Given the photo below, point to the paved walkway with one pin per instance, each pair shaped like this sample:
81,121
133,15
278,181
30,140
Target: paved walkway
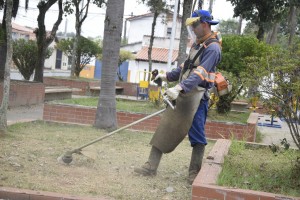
270,134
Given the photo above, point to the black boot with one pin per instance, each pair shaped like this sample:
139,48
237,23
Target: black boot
196,162
150,167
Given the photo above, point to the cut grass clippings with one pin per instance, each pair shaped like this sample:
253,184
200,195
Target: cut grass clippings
149,107
29,152
259,169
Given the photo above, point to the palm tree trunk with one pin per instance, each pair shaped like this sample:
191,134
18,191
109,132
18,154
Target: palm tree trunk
6,81
106,117
187,7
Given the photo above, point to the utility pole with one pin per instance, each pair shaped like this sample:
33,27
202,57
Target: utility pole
174,24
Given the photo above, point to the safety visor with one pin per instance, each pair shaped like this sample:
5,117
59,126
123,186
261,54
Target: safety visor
192,20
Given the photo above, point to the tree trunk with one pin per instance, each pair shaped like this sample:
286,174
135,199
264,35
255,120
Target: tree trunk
106,117
8,63
3,50
260,33
293,13
156,13
239,31
76,57
187,7
211,2
43,41
76,41
273,36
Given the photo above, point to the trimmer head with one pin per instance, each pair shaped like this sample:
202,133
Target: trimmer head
65,158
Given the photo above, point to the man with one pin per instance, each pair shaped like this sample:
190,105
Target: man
195,77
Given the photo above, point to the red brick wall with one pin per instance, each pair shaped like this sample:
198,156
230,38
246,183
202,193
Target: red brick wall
130,89
86,115
83,85
24,93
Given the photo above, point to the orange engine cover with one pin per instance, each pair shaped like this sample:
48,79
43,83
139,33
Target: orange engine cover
220,82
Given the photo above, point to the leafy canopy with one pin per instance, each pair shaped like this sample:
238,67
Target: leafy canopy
25,56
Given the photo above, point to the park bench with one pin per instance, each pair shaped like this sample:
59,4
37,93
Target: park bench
239,106
59,93
95,91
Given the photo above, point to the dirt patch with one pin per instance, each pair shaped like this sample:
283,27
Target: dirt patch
28,160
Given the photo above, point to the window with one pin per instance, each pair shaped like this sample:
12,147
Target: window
169,30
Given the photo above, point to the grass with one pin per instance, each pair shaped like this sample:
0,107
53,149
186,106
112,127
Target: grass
28,160
148,107
238,117
259,169
122,105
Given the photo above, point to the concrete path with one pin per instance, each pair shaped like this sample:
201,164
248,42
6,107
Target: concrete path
272,134
25,114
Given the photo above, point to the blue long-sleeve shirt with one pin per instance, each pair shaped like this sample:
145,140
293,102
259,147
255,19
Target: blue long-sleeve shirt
202,75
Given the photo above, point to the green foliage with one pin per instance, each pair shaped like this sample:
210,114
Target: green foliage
124,55
252,167
87,50
263,13
25,56
224,104
236,52
277,76
229,26
236,48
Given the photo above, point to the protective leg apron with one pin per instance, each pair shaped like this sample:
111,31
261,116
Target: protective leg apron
175,124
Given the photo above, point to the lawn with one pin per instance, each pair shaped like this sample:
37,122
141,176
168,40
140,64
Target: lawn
149,107
28,160
260,169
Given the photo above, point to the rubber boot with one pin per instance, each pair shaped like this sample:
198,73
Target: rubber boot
150,167
196,162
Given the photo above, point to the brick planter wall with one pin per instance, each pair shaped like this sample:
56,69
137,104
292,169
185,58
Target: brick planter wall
86,115
24,93
130,89
205,188
83,85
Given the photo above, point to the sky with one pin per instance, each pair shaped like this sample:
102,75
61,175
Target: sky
93,26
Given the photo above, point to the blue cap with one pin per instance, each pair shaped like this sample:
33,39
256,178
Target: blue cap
204,16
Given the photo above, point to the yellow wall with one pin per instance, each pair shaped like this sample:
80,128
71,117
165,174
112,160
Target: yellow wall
87,71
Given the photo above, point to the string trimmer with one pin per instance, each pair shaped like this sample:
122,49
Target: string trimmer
67,156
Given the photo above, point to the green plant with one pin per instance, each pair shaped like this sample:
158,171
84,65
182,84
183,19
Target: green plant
25,56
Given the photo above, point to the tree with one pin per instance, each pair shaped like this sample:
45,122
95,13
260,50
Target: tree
263,13
106,110
6,81
44,39
235,51
25,56
229,26
278,78
156,7
3,46
87,49
187,7
124,55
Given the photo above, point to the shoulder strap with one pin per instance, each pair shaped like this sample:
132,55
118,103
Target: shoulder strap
203,47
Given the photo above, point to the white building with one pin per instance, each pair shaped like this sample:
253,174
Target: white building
139,32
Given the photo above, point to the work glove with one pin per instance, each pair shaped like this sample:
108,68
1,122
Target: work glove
163,77
173,92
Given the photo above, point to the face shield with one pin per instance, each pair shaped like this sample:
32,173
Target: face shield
191,24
